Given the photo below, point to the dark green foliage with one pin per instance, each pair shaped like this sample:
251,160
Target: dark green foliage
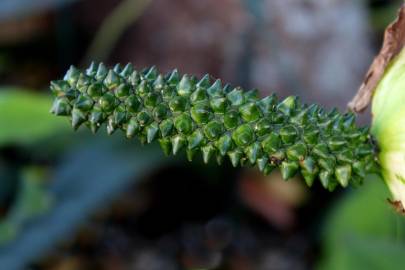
201,115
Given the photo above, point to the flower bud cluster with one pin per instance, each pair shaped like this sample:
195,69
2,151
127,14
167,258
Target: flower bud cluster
204,116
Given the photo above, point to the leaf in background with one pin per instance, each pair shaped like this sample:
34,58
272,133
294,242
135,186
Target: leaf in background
25,117
89,177
33,200
361,232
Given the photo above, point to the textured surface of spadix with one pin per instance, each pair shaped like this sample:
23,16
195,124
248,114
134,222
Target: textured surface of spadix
204,116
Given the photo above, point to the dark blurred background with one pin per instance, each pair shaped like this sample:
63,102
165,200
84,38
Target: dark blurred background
73,201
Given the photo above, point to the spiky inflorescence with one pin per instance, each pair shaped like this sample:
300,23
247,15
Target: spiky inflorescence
218,121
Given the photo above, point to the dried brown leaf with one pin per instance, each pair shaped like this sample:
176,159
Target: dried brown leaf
394,41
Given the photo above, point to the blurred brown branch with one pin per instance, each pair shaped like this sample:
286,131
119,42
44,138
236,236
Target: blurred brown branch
113,26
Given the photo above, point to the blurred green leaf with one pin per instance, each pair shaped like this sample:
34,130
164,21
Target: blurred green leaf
363,231
25,117
33,200
8,231
370,253
91,174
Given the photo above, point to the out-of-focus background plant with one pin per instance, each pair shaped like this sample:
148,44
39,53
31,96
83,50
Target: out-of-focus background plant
74,201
